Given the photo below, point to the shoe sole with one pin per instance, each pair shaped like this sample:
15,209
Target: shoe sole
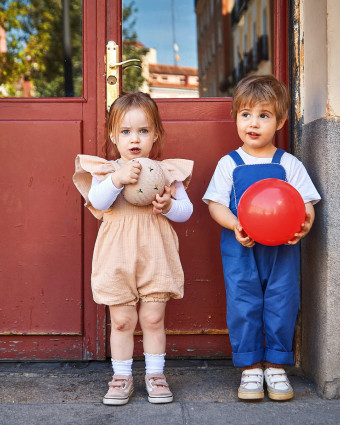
160,400
280,396
116,401
250,396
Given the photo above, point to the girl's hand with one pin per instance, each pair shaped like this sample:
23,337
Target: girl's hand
242,236
305,228
163,203
127,174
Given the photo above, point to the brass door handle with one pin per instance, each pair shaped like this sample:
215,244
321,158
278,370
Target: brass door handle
112,72
114,64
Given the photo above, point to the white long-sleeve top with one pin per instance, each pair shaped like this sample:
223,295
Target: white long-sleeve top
103,194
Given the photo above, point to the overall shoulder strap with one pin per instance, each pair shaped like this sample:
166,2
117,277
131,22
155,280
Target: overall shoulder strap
236,157
277,156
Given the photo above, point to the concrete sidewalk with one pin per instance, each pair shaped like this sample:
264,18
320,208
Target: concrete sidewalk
205,393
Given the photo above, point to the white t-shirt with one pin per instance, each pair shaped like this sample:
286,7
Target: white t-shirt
221,183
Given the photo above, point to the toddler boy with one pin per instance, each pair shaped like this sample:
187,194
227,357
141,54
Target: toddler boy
262,282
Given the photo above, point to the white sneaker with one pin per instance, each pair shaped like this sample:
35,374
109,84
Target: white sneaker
251,387
278,384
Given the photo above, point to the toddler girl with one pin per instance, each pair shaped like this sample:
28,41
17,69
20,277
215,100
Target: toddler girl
136,251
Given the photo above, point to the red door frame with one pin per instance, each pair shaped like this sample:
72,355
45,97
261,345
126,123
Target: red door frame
108,28
281,60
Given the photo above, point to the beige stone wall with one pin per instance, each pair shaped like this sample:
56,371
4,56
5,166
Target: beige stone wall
314,74
316,140
333,50
321,59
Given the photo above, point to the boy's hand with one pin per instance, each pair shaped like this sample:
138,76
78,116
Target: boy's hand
305,228
224,217
242,236
163,203
127,174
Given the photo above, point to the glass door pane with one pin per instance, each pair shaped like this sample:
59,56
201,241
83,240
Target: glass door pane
41,48
196,48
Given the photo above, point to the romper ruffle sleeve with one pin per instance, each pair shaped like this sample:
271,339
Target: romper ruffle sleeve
179,170
86,167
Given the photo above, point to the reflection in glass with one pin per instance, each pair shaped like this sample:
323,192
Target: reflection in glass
40,48
242,32
163,35
196,47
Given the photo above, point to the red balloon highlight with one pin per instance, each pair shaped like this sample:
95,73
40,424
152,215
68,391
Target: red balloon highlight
271,211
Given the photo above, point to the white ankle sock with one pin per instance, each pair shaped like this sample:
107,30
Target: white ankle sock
122,367
154,363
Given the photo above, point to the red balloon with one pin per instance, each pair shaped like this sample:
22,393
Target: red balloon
271,211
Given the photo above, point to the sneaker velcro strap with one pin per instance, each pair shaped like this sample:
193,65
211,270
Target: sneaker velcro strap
248,376
159,383
118,381
276,379
251,379
250,382
272,371
253,371
116,384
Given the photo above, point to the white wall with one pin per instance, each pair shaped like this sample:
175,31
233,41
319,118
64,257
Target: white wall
333,36
320,76
314,74
316,26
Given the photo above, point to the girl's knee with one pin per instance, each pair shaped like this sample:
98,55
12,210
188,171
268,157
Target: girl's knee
123,321
151,319
122,325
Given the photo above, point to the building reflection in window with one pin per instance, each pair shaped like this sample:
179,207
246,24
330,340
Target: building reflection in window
232,39
160,29
242,32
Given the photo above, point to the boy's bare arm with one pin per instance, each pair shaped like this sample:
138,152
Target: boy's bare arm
306,226
224,217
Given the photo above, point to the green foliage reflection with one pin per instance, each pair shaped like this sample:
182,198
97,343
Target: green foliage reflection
35,47
132,49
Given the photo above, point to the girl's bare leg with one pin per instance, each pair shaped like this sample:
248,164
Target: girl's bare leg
151,319
123,324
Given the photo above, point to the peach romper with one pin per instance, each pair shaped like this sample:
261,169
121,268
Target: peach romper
136,252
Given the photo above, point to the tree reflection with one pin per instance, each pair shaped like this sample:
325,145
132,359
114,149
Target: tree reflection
33,61
133,79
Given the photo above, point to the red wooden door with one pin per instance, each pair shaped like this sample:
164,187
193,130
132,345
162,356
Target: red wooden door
46,311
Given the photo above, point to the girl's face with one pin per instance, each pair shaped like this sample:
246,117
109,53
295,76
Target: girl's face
136,135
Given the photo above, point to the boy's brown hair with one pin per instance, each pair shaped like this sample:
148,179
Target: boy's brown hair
130,101
261,89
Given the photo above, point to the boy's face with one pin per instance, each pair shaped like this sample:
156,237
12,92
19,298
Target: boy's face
256,127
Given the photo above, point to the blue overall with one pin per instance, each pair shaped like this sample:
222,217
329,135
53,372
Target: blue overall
262,283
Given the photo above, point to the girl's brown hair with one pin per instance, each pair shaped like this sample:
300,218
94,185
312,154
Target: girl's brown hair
121,106
261,89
